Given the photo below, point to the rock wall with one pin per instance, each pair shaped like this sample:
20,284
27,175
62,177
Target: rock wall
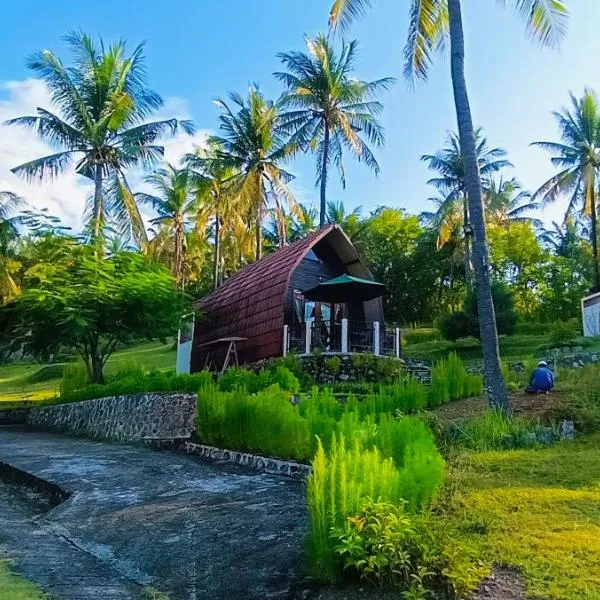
121,418
265,464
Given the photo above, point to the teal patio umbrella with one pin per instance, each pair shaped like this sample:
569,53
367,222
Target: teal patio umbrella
345,288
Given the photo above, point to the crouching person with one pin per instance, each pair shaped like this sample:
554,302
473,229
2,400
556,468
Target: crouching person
542,379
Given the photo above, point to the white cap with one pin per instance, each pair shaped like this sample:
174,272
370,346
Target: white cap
542,363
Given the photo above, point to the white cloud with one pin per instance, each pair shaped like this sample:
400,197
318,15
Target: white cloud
66,196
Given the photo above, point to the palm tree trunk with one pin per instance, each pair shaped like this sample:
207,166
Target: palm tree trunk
468,274
495,384
178,264
217,250
259,215
97,208
324,176
594,236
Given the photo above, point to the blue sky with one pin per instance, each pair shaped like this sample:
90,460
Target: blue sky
198,49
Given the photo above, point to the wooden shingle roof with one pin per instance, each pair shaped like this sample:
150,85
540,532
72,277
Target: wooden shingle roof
250,303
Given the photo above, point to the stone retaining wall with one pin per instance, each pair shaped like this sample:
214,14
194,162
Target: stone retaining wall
273,466
121,418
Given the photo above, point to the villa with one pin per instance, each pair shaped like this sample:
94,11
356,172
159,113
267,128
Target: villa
314,294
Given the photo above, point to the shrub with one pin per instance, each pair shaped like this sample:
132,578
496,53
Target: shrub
456,325
74,379
495,431
47,373
285,379
239,377
346,475
450,381
390,548
419,336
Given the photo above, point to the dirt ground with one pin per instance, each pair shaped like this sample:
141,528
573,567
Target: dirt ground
539,407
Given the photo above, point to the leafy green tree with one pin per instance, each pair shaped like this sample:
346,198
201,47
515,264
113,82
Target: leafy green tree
253,142
451,183
217,193
578,158
177,206
431,23
103,105
329,109
73,299
565,239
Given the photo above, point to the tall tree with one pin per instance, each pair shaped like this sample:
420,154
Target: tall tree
507,202
253,142
451,182
98,117
431,22
350,222
176,204
578,158
217,192
329,109
565,239
9,263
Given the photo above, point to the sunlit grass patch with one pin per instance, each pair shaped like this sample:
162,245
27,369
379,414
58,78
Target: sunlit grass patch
537,510
13,587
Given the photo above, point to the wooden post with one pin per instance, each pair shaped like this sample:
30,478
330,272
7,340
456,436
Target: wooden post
397,341
376,338
344,336
285,340
307,336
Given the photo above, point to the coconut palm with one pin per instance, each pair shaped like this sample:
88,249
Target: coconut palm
578,158
350,222
329,109
449,164
102,104
177,206
9,263
564,239
431,23
253,142
506,202
217,191
304,222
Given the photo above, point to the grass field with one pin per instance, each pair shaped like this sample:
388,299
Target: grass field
538,511
13,587
15,384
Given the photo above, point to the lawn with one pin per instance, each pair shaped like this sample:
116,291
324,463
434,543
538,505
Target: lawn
15,384
15,588
536,510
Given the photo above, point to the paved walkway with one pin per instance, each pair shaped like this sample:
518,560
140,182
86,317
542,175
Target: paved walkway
139,517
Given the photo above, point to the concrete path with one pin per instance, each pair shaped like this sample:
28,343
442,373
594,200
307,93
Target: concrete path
191,529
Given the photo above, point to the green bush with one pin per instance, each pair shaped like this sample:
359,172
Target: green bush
419,336
47,373
450,381
350,472
130,380
456,326
495,431
417,555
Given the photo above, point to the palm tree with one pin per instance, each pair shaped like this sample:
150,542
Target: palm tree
253,142
564,239
450,166
329,109
216,189
103,104
304,222
578,158
9,263
176,205
431,22
506,202
350,222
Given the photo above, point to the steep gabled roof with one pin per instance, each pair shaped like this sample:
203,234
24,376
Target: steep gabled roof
250,303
